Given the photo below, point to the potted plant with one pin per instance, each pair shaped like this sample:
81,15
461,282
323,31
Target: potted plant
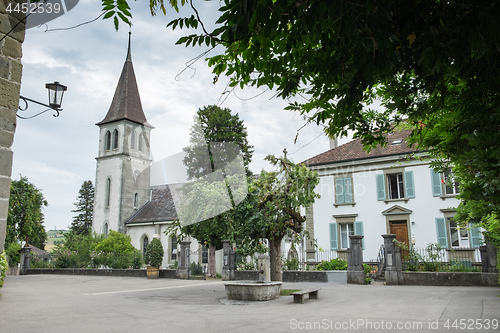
153,258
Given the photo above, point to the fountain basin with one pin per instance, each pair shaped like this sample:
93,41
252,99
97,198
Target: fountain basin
253,290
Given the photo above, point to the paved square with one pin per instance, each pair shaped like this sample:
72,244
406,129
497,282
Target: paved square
63,303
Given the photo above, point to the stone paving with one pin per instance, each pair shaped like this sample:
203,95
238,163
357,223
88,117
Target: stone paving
62,303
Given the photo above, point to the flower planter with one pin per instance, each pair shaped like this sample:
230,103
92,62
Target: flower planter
153,272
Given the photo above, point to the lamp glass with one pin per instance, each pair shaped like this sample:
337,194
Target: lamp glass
56,92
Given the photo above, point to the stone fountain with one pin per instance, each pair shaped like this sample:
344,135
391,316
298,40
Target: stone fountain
260,290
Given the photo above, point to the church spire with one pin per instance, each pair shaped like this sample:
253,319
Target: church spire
126,102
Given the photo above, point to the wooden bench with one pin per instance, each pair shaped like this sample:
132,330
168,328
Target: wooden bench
298,296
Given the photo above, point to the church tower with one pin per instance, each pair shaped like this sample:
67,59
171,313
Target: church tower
122,183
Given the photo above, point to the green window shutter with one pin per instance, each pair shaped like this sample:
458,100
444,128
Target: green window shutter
409,184
437,189
348,198
339,190
380,187
358,231
475,236
333,237
441,231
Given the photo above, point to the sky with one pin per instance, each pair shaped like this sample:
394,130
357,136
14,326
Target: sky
58,154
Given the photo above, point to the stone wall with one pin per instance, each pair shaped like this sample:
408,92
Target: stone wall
10,86
450,279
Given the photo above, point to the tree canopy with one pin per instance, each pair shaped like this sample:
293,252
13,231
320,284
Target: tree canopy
25,218
432,64
82,222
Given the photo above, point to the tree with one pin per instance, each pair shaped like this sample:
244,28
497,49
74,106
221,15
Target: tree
434,64
25,218
279,195
82,222
217,157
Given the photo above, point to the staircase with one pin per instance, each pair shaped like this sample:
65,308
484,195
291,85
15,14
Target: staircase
380,275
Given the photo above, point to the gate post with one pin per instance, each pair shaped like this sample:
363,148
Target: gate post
183,263
355,270
393,270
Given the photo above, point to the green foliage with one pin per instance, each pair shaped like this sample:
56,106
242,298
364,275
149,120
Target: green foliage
37,262
367,268
76,250
12,252
154,253
25,218
3,268
115,243
291,264
332,265
246,266
196,268
82,223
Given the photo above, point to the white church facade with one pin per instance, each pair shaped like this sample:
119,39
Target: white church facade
124,199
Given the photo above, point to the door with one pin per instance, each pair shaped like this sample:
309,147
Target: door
400,229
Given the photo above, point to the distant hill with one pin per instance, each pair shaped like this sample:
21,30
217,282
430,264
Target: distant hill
52,237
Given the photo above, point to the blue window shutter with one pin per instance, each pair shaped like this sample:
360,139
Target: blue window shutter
380,187
437,189
441,231
339,190
348,198
358,231
409,184
475,236
333,237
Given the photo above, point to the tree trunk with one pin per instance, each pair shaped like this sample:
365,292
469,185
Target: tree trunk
211,261
275,259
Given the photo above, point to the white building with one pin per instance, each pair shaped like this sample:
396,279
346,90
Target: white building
391,189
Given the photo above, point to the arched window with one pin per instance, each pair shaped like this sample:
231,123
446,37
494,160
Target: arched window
140,142
108,192
115,139
136,200
173,253
132,140
107,141
145,242
105,229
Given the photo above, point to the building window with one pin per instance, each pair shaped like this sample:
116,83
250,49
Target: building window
108,192
450,234
443,183
136,200
173,253
141,148
145,242
107,141
132,140
115,139
344,230
395,186
343,190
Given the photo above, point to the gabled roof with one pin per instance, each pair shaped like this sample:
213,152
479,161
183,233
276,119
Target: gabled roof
351,151
126,102
161,207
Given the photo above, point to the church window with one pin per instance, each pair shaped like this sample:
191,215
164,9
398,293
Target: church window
145,242
107,141
115,139
108,192
141,148
136,200
173,254
132,140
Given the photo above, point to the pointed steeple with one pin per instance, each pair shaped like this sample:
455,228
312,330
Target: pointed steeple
126,102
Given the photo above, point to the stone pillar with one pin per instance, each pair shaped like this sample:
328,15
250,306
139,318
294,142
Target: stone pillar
310,243
10,86
226,249
25,259
264,268
183,260
488,258
392,275
355,271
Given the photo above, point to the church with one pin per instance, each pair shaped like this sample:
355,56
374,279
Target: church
124,199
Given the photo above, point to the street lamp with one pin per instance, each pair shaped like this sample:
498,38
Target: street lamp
56,92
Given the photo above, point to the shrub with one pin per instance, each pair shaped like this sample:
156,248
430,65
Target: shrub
3,268
291,265
332,265
196,268
154,253
37,262
12,252
65,259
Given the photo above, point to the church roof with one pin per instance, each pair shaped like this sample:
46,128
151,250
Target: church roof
160,208
126,102
396,145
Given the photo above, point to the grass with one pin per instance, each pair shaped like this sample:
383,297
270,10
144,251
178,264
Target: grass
287,292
